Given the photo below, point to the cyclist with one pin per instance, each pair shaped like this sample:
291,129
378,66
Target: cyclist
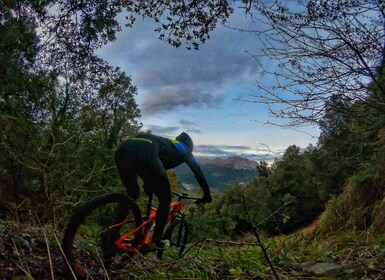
149,156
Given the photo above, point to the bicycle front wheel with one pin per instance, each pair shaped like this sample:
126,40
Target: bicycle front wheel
88,242
177,234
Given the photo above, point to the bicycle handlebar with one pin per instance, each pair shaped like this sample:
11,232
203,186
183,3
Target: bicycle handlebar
184,196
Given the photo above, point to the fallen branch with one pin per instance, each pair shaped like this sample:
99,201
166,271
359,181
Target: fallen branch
231,242
264,250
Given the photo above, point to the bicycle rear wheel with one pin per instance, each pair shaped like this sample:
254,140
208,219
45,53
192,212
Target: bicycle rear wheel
177,234
88,242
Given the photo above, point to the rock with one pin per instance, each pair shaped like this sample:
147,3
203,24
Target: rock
25,244
331,270
25,235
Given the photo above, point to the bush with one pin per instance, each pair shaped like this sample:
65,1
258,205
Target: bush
361,205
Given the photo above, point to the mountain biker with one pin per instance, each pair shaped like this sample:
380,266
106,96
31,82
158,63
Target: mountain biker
149,156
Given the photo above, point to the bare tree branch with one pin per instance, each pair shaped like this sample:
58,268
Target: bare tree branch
265,253
314,50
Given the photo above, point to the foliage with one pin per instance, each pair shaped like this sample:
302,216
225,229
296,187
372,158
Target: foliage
38,255
344,172
282,200
63,109
360,206
58,127
292,183
293,191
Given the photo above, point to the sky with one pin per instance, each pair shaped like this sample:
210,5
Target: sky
200,91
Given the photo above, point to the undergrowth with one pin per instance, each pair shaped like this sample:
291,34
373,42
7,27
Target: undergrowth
361,256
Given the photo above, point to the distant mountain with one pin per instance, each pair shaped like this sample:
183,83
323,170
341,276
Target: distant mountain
220,173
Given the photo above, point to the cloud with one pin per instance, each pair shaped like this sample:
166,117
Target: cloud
189,126
186,126
187,123
220,150
170,98
163,130
170,78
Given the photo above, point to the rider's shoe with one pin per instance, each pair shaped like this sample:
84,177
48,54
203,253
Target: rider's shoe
163,245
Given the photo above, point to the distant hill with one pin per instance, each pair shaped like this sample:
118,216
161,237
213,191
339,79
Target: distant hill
220,173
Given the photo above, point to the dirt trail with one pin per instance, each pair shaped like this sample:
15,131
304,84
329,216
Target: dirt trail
24,251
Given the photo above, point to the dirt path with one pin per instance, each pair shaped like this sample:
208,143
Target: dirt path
29,251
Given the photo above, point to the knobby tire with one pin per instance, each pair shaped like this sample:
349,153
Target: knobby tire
88,242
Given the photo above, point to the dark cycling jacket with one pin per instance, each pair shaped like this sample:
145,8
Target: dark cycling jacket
173,153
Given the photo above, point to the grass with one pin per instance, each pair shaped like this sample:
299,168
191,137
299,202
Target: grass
204,261
362,255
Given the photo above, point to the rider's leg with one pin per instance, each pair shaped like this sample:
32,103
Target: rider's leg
164,196
156,178
127,173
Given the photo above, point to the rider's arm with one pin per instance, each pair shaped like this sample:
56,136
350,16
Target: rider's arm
196,169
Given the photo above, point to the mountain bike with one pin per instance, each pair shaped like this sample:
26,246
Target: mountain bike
106,232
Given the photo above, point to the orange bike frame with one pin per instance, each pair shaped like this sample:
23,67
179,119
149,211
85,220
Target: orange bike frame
144,227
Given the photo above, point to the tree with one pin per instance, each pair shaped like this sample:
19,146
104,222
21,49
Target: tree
80,27
292,184
21,89
63,109
322,49
263,169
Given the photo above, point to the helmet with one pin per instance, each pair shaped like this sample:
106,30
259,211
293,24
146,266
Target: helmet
186,140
